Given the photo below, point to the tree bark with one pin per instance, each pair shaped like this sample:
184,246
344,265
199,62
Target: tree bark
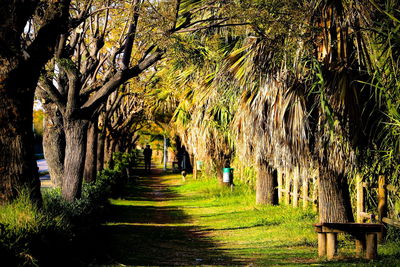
18,169
54,143
75,136
91,153
220,175
266,185
100,151
19,73
335,141
108,151
334,197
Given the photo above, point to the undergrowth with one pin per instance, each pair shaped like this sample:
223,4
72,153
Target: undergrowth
60,233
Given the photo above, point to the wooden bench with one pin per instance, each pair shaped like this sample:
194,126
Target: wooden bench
364,233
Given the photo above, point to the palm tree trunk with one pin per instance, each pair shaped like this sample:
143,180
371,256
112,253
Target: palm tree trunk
334,154
266,186
334,197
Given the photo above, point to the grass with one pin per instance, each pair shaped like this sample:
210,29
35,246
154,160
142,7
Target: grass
263,235
59,233
213,225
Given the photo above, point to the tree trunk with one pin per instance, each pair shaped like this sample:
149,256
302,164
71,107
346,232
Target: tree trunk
54,143
109,150
334,197
333,146
266,186
220,174
18,169
91,153
100,151
75,136
107,155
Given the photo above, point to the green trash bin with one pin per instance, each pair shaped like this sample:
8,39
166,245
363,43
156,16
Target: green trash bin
228,176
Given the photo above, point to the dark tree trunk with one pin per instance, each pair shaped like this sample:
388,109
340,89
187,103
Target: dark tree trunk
112,146
19,73
54,143
18,169
266,186
91,153
107,155
100,151
75,149
334,197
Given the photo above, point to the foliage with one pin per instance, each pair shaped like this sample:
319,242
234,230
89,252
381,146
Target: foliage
33,236
38,116
22,227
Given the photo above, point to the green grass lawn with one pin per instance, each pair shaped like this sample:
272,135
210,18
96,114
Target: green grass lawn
213,225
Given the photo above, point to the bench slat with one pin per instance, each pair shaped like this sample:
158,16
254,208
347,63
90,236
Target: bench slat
348,228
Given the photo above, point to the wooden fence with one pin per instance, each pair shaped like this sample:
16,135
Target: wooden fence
381,214
295,187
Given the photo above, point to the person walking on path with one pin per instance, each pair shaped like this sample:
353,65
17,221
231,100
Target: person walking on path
147,152
185,164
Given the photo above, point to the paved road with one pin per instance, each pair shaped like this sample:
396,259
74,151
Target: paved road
43,168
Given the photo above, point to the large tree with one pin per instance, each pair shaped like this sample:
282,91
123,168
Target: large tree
28,34
92,64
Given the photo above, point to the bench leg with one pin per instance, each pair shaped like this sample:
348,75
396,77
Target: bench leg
331,249
321,244
360,245
371,246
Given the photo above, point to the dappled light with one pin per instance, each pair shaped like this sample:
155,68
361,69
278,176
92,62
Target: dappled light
199,132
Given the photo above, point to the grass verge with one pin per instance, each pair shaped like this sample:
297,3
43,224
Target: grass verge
263,235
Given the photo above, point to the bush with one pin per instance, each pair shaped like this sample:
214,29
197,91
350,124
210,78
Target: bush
31,236
23,227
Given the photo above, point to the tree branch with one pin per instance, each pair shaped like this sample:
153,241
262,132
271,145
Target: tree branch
121,77
126,57
48,87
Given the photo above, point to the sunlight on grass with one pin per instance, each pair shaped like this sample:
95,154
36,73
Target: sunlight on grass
244,229
125,202
245,232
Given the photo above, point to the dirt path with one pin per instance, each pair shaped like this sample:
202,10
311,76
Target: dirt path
147,229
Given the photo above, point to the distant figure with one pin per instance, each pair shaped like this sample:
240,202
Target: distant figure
147,158
184,164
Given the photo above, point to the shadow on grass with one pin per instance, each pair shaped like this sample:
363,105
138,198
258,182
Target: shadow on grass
144,231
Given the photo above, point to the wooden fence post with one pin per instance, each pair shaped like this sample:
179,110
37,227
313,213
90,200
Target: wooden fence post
194,167
315,190
280,185
288,176
360,198
305,190
382,202
296,178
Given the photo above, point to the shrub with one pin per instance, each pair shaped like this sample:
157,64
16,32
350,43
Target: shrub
23,226
31,236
